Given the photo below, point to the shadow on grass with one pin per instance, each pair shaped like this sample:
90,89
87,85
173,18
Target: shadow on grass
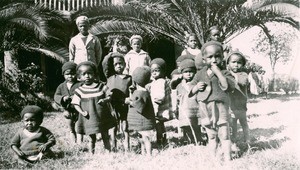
258,142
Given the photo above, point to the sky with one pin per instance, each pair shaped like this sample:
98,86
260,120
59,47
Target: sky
245,42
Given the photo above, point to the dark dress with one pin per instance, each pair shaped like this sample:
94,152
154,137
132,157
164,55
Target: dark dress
141,115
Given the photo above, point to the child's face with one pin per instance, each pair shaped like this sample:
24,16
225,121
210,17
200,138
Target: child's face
188,74
136,45
83,27
156,71
192,42
215,35
31,122
70,75
119,65
213,55
86,74
235,63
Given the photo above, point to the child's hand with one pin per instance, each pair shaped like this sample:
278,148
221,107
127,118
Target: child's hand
102,101
215,69
127,100
85,113
158,101
43,148
201,86
20,153
66,98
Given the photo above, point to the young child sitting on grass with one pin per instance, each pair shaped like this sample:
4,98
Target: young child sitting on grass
33,142
211,86
141,117
90,100
64,94
238,98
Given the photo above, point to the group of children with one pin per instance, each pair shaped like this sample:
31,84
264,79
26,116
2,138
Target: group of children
137,100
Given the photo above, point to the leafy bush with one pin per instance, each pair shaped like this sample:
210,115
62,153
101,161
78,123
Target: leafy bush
26,88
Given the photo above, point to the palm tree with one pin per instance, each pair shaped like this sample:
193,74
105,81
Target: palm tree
172,19
29,27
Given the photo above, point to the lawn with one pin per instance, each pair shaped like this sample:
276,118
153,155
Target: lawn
274,131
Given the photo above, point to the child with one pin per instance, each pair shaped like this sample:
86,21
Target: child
160,93
119,84
238,98
64,93
33,142
136,57
212,85
119,47
84,46
141,117
189,116
90,100
192,48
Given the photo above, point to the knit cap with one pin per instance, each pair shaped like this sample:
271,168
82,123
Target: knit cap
141,75
87,63
68,65
199,62
183,57
37,111
160,62
82,18
187,63
209,43
237,53
136,37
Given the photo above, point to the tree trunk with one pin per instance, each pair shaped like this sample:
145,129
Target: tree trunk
11,70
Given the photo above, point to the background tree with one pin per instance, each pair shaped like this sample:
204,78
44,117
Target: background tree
173,18
276,46
32,28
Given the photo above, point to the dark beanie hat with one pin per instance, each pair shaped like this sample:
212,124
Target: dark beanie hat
187,63
183,57
68,65
199,62
37,111
141,75
87,63
209,43
159,61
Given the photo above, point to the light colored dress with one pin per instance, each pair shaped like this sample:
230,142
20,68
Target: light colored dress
134,60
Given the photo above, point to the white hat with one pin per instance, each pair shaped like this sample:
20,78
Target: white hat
82,18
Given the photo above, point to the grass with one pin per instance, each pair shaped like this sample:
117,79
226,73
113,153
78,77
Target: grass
274,130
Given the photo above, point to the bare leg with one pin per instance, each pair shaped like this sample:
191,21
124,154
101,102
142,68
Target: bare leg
212,139
224,136
147,144
79,138
105,138
92,143
245,128
126,135
113,140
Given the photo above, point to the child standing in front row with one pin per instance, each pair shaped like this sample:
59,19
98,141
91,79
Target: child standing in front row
90,100
136,57
33,142
238,98
141,117
118,85
188,112
64,94
211,86
160,93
